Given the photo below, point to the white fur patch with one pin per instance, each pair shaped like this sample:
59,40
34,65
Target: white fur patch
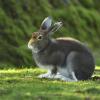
74,77
63,78
35,50
30,46
63,71
46,75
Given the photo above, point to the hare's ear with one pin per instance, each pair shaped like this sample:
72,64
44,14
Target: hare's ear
46,24
55,27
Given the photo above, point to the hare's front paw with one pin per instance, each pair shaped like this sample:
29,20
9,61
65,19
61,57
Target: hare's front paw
46,75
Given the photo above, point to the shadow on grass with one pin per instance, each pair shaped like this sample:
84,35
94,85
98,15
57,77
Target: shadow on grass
89,91
5,91
95,78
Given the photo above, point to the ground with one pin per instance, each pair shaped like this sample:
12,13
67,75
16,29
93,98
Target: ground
23,84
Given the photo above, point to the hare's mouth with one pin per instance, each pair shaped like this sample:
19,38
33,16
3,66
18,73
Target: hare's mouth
30,46
33,48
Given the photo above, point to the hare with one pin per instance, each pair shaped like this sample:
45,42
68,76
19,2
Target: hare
65,59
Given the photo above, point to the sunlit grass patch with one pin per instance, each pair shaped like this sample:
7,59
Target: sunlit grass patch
98,68
23,84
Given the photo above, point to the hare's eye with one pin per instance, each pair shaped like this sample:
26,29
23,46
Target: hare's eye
39,37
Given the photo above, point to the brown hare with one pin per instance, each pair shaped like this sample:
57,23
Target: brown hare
65,58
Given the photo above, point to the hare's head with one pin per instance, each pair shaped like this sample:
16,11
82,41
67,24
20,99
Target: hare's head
42,36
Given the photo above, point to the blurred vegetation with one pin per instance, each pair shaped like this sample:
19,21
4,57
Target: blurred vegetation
19,18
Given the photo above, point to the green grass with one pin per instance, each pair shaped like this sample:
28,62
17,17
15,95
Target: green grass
23,84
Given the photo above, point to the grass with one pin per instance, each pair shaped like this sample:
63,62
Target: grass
23,84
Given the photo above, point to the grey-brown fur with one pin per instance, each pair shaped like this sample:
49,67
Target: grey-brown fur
63,53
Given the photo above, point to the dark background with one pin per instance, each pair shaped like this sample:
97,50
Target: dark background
19,18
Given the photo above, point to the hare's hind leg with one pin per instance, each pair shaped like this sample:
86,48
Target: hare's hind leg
64,78
66,75
67,72
81,63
